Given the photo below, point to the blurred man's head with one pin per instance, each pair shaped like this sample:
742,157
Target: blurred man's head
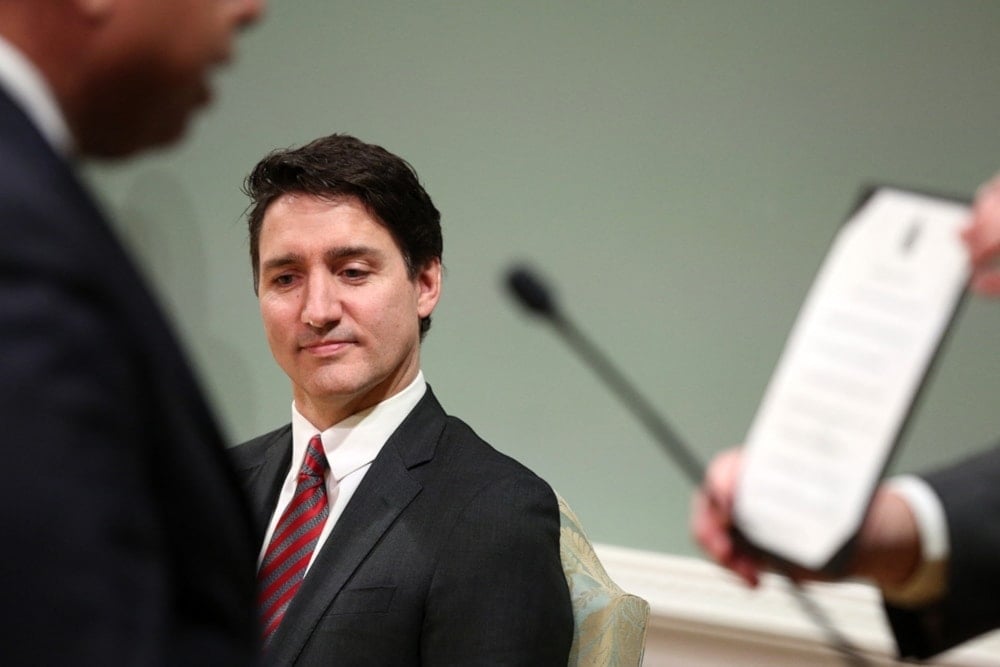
127,74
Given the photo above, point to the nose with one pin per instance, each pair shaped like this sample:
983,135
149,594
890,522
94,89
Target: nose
248,12
321,307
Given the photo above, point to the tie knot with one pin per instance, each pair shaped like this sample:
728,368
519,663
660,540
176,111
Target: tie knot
315,463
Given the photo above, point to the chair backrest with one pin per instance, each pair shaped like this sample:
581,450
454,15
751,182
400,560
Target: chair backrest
609,625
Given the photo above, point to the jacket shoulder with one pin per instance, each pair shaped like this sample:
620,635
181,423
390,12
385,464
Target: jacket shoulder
253,452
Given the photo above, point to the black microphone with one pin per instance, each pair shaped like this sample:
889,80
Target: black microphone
532,293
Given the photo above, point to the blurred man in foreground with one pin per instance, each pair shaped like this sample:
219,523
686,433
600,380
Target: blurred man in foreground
126,539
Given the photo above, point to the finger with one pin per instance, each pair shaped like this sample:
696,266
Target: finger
721,478
710,528
985,220
987,283
992,184
748,570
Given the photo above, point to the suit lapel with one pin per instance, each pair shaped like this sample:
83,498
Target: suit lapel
264,478
384,493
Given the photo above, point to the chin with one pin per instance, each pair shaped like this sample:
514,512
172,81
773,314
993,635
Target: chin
118,145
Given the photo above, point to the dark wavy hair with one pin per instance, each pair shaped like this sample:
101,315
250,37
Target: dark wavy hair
344,166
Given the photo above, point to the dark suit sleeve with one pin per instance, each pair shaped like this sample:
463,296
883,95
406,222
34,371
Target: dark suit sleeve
500,596
104,560
80,535
970,495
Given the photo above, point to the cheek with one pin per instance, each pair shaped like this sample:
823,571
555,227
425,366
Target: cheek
201,30
400,319
278,320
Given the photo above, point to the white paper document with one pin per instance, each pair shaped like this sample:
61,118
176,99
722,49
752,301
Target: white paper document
850,371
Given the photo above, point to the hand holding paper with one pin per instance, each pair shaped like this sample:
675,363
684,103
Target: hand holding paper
982,237
887,546
851,369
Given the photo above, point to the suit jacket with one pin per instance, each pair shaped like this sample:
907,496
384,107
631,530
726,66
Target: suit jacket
970,495
126,537
447,554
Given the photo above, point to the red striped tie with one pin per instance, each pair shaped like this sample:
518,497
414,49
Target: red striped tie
293,541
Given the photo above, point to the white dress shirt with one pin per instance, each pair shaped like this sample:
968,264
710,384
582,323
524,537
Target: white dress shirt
350,446
928,581
26,85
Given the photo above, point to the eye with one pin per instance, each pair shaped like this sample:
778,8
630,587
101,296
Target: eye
283,279
355,273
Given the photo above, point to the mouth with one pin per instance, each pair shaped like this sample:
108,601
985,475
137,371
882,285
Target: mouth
326,348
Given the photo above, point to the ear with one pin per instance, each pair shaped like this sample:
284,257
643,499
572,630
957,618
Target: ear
428,283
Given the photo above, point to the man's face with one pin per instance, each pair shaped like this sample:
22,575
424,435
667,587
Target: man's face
150,70
341,314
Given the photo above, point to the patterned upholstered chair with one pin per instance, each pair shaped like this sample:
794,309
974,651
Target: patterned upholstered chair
609,625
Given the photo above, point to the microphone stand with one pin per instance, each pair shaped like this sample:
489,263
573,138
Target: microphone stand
531,293
631,398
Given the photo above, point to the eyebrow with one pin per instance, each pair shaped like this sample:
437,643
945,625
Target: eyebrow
332,255
352,251
280,262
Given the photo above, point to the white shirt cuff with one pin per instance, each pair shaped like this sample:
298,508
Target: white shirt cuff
928,581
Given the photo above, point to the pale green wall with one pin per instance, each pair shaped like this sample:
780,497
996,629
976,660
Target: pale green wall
677,168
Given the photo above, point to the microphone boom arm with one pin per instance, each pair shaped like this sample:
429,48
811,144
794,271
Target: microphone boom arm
632,399
538,300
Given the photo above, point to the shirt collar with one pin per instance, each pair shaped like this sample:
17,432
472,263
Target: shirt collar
29,89
355,442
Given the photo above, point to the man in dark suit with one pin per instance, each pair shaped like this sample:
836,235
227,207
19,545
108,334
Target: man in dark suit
126,539
394,534
931,542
